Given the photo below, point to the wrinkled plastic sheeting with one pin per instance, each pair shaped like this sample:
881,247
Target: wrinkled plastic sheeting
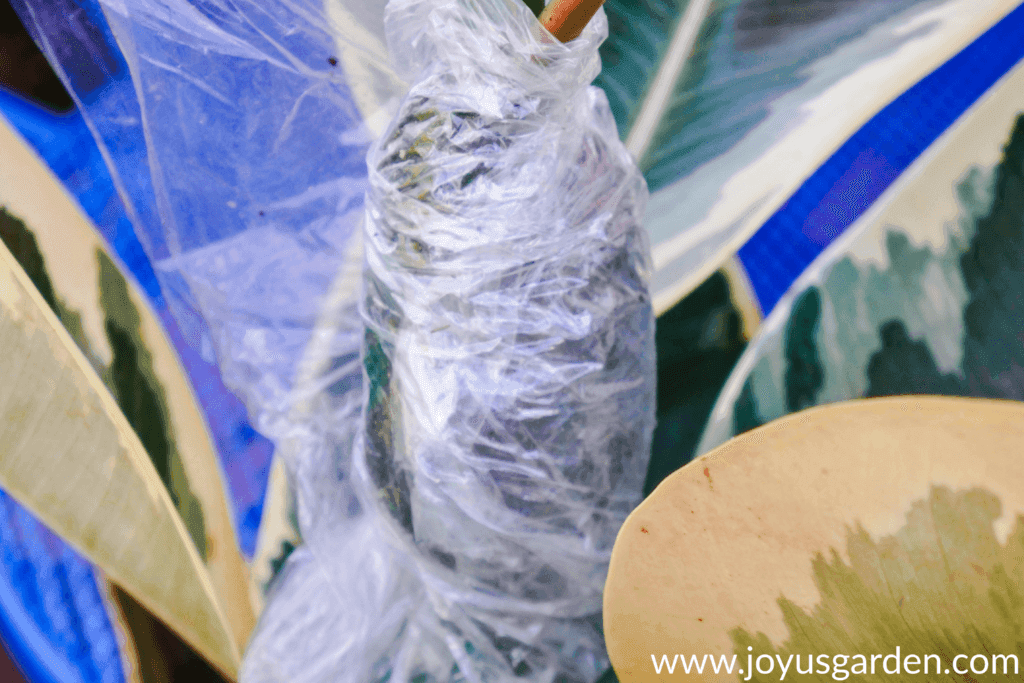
236,134
509,359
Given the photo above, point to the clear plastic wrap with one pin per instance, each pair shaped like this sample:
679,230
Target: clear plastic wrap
237,136
509,350
509,376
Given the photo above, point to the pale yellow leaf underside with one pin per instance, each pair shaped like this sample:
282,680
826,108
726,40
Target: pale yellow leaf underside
718,542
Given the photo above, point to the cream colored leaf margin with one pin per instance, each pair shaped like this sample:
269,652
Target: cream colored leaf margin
69,455
63,438
753,193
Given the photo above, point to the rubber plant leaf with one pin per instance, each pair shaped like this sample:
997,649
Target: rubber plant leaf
729,105
70,454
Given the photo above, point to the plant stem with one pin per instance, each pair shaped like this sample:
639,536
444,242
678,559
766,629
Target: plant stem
566,19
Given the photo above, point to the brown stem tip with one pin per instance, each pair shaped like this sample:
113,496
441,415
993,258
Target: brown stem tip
566,19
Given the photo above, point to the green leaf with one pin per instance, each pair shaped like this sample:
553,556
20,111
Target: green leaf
738,58
728,105
83,322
